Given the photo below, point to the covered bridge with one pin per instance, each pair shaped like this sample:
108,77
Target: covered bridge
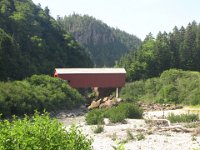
92,77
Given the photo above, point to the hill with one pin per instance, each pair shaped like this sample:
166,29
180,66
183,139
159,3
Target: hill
32,42
173,86
105,44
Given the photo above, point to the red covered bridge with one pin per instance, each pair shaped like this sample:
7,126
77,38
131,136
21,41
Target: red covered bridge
92,77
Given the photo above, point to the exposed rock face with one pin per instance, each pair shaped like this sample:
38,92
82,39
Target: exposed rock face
105,44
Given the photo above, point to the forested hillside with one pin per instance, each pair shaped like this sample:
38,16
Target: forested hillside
178,49
31,42
105,44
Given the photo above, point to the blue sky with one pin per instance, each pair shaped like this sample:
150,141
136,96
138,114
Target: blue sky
138,17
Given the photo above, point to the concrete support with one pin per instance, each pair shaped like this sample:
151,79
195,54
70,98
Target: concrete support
117,92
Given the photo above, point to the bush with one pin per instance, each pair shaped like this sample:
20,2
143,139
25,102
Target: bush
173,86
99,129
183,118
123,111
40,132
130,110
115,114
133,91
95,116
140,136
37,92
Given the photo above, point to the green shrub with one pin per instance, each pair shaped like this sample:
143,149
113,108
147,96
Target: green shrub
183,118
133,91
37,92
40,132
173,86
99,129
95,116
140,136
119,146
115,114
123,111
168,94
130,110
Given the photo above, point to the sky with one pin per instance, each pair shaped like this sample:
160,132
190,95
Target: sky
137,17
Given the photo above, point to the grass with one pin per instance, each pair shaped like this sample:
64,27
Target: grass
113,136
140,136
195,106
129,135
120,146
183,118
99,129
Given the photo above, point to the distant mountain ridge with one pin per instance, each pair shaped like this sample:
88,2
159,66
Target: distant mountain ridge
105,44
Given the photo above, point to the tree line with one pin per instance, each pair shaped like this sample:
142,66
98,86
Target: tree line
177,49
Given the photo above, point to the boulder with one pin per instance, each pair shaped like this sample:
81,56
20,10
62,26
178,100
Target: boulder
107,104
106,121
105,99
94,104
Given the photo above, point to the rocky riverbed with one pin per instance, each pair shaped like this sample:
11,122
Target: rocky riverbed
139,134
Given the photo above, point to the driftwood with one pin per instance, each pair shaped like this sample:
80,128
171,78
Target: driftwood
162,125
158,122
175,129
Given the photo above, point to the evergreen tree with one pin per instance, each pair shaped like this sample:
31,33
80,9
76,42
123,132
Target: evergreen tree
179,49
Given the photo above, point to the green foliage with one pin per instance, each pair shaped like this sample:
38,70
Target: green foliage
173,86
115,114
95,116
105,44
32,42
9,56
168,94
123,111
183,118
120,146
37,92
40,132
99,129
178,49
140,136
